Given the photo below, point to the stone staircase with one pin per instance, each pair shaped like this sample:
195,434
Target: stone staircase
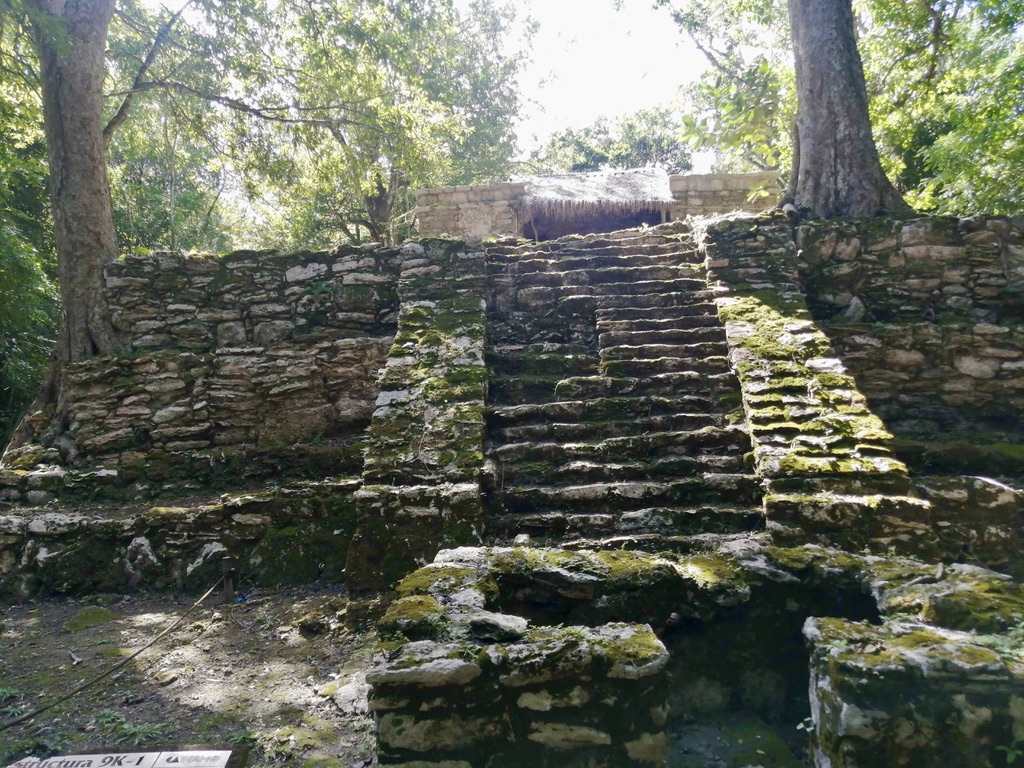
612,408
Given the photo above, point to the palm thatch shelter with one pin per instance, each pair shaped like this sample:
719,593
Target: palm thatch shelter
601,201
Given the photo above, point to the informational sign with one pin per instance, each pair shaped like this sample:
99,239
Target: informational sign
184,757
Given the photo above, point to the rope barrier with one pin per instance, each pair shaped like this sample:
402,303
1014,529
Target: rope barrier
89,683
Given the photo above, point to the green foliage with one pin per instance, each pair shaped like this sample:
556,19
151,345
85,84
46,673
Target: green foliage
647,138
945,81
28,303
743,108
431,100
169,190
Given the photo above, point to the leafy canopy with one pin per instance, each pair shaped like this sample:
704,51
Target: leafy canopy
646,138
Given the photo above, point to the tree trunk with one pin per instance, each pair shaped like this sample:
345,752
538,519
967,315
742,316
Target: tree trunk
71,39
836,168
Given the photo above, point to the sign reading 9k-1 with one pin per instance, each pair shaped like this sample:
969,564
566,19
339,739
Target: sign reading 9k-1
170,758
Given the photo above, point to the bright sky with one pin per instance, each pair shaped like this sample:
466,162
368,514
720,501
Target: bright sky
590,59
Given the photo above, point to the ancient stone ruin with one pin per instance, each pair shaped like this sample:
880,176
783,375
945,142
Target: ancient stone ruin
619,483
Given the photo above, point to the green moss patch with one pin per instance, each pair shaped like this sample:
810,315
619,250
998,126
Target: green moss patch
89,617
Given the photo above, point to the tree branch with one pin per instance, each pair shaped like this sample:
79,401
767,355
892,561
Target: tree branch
277,114
126,103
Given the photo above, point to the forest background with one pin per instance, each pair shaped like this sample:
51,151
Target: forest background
302,123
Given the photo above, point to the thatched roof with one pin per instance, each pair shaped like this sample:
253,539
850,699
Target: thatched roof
602,192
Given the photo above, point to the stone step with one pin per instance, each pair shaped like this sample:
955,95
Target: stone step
652,300
530,360
513,390
701,350
643,287
589,430
567,249
620,497
633,274
655,292
645,368
701,307
506,475
667,384
667,305
684,322
599,409
668,334
679,520
537,262
626,448
554,273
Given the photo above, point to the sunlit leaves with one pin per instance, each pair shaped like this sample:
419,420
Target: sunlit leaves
944,82
646,138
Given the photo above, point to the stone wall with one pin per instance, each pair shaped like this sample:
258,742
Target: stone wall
932,269
251,350
292,535
714,193
933,379
168,301
927,314
475,212
424,453
470,212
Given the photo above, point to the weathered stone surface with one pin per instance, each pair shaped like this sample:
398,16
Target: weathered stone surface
561,736
909,694
425,664
406,732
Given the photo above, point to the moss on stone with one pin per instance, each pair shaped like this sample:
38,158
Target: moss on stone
416,617
443,579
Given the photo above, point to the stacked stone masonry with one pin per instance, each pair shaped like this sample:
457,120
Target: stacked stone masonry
667,451
423,458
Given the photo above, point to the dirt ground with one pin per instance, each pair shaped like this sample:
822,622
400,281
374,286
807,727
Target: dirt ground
280,671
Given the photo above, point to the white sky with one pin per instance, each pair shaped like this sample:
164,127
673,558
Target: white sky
590,59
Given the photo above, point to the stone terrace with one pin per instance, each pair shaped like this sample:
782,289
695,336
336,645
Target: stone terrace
622,481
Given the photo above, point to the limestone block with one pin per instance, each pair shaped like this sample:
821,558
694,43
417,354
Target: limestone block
910,694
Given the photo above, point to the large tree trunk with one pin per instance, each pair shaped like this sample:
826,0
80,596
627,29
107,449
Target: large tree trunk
71,39
836,168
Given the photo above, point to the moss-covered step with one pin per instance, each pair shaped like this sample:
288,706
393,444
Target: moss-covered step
657,384
694,521
290,535
597,409
542,359
666,335
655,445
852,521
